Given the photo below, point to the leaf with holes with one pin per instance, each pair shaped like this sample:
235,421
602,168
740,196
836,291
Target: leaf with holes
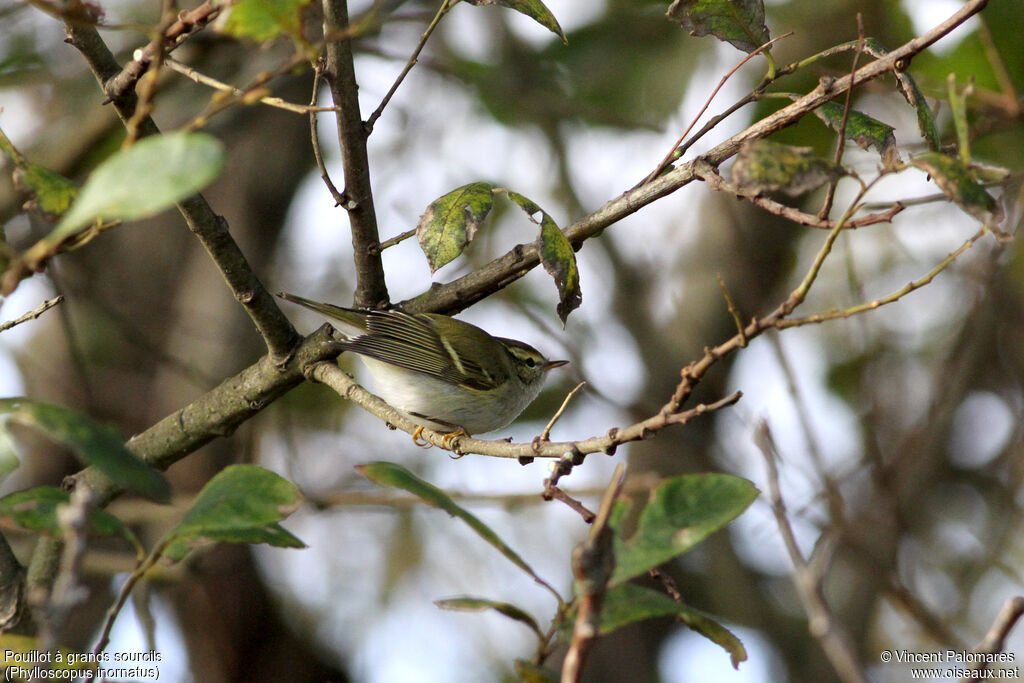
451,221
867,132
556,255
738,22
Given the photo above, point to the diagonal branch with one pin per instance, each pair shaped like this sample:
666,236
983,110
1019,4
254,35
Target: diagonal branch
464,291
211,229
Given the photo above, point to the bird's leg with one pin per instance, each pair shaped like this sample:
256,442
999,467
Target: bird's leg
446,442
416,439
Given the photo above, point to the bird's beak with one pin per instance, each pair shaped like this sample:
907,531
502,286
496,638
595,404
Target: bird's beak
552,364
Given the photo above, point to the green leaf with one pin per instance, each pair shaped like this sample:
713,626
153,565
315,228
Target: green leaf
867,132
763,166
53,192
908,88
925,118
241,504
143,180
535,9
451,221
680,513
556,255
738,22
263,20
559,259
35,509
271,534
396,476
956,181
95,444
471,604
629,603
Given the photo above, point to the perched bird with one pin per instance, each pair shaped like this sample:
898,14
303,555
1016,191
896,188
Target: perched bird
442,373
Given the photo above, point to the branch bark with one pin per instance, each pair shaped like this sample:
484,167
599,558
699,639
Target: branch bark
339,72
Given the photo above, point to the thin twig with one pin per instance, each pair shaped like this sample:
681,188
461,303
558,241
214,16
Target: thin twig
147,83
837,159
446,5
254,91
808,580
999,70
890,298
211,229
33,314
707,103
397,238
733,311
558,413
592,567
670,414
464,291
314,135
201,78
552,492
339,72
120,85
122,596
67,592
716,182
995,640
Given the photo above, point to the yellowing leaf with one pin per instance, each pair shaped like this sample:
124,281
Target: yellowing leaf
763,166
263,20
451,221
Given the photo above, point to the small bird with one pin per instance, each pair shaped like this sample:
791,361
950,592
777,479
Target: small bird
442,373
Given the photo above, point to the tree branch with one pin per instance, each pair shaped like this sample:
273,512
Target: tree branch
459,294
808,577
211,229
592,565
336,378
339,72
217,413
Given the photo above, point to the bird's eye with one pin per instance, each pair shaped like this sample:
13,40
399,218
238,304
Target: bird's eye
531,362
